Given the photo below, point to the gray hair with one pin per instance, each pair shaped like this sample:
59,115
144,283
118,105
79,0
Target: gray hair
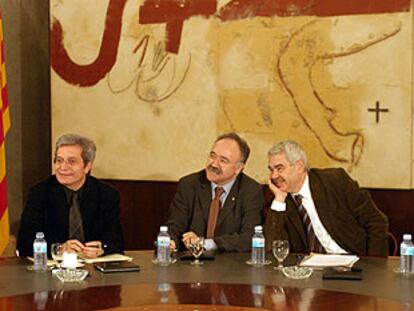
292,150
87,145
243,146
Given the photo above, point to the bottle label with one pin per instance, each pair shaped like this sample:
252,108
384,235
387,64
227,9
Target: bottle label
258,242
163,241
407,250
39,248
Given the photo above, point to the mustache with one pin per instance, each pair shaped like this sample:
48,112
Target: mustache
277,180
214,170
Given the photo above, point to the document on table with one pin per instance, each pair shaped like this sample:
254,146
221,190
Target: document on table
329,260
108,258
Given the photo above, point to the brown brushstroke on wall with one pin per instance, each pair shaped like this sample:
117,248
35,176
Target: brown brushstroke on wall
239,9
88,75
174,13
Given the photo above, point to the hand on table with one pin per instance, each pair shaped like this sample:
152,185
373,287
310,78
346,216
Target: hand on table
91,249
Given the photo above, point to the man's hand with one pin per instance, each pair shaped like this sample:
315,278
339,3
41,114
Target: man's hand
188,236
93,249
280,195
73,246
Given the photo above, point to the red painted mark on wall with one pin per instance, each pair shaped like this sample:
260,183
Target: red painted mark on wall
240,9
88,75
174,13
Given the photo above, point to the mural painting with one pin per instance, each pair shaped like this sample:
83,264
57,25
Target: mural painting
154,82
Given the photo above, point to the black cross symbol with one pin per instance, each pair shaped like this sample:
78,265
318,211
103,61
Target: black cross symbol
377,111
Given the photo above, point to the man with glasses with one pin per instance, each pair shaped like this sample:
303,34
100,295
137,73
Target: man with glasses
320,210
220,203
72,207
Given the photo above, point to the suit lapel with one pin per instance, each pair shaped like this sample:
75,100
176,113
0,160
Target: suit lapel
205,197
229,204
59,210
88,205
294,218
320,200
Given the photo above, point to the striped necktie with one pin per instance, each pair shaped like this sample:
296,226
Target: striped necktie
313,242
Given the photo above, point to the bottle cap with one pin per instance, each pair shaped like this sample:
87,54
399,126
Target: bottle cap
163,228
407,236
258,228
40,235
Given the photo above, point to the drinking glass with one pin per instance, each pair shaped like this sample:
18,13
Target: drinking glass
57,250
196,247
280,250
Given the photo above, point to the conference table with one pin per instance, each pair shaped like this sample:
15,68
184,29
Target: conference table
225,283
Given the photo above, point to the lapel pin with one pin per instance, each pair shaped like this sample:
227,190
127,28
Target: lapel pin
233,198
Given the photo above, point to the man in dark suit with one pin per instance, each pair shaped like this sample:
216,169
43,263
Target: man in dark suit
320,210
239,202
72,207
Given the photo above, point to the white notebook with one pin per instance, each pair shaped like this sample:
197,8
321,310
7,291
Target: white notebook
329,260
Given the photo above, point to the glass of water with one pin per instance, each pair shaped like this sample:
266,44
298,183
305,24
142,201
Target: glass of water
57,250
280,250
196,247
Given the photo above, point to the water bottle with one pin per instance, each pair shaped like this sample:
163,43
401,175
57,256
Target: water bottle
163,247
258,291
40,253
407,255
258,247
164,290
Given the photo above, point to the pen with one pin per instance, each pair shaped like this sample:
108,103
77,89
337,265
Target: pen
103,246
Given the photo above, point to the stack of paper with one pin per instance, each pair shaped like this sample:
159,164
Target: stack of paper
329,260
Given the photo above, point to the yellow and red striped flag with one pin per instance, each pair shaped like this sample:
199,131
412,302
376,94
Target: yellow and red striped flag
4,127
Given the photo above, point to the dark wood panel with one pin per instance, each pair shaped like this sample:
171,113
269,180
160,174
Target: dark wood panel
398,205
144,207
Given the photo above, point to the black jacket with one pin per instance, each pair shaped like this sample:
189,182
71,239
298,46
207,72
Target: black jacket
47,211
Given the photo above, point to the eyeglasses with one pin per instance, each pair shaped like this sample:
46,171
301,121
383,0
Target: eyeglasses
70,162
278,168
222,160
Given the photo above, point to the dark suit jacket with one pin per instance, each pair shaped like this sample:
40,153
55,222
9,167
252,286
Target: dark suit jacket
346,211
47,210
242,210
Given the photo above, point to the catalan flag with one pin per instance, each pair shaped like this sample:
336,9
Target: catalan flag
4,127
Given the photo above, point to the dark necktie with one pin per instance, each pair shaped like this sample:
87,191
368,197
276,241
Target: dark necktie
214,211
313,242
75,219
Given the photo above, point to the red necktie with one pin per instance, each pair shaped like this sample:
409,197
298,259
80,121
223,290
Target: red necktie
313,242
213,213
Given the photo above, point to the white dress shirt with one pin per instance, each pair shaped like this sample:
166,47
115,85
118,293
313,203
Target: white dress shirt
325,239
